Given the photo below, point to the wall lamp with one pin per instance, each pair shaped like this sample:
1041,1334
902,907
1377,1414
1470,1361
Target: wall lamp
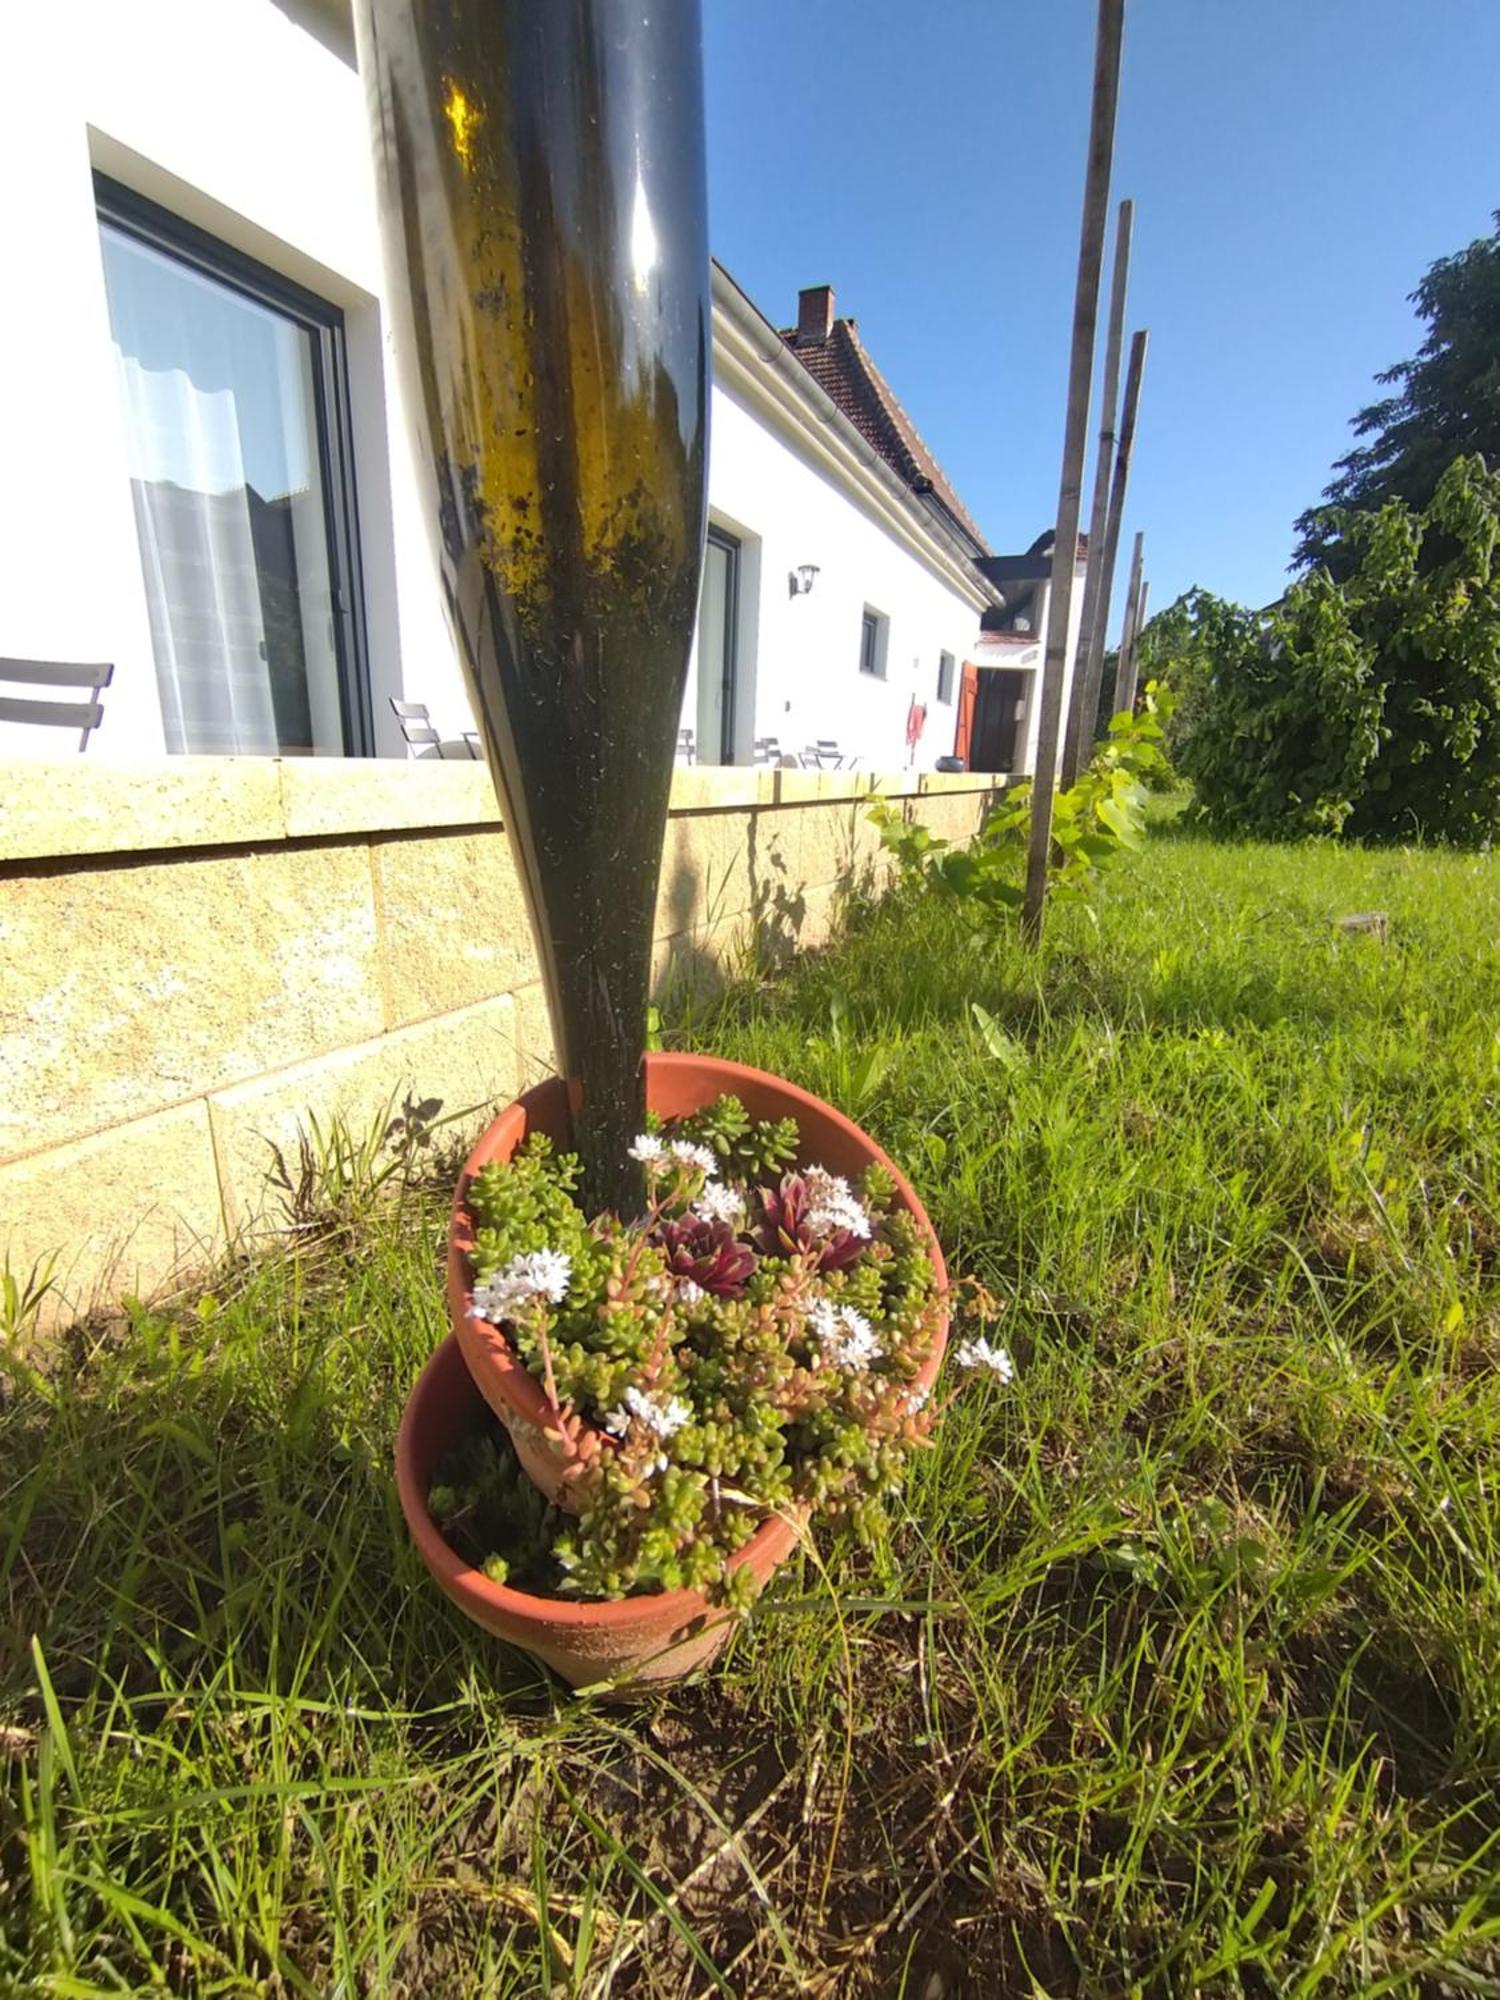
800,581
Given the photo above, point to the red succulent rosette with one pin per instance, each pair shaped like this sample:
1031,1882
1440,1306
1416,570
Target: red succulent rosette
785,1229
709,1253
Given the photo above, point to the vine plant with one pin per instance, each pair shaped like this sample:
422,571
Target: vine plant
1094,822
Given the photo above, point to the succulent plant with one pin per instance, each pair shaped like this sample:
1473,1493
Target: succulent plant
708,1253
790,1225
740,1349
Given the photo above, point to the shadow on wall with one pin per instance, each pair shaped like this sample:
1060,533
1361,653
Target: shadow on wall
709,942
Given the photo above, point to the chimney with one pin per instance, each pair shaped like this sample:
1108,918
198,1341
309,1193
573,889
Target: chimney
814,312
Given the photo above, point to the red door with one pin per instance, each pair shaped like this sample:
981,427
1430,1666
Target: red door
968,695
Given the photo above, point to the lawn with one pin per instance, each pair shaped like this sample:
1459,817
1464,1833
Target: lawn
1180,1671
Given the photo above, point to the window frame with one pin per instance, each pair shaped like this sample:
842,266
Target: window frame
947,669
136,215
721,538
874,623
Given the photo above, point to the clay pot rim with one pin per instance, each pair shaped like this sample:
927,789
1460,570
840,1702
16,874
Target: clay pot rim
774,1538
521,1386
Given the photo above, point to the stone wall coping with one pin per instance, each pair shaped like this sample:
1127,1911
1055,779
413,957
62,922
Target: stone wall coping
57,809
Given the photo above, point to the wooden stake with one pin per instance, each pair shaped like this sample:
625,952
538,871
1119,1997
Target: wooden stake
1078,735
1070,487
1137,627
1127,623
1093,667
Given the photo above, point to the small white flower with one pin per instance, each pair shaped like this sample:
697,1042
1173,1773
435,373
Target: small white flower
548,1272
823,1319
859,1346
832,1205
701,1157
532,1274
846,1337
917,1399
978,1353
690,1292
649,1150
718,1203
664,1416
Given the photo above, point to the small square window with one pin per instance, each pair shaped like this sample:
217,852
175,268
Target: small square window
872,643
945,677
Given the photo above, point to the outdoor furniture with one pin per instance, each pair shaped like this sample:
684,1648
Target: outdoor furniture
416,727
82,715
825,755
687,747
767,750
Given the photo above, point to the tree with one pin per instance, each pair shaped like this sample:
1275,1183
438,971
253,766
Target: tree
1369,707
1446,403
1184,645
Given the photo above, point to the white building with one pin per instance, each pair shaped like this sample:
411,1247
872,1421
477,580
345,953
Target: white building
858,595
205,470
1000,710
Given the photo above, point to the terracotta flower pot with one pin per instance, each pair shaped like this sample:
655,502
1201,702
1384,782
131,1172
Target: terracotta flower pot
660,1635
675,1086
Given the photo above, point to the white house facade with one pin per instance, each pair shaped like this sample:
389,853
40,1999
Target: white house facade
854,610
206,477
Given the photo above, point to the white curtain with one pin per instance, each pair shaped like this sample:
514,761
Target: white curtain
219,402
192,510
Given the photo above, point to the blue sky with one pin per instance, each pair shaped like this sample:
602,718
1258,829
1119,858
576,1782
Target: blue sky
1295,165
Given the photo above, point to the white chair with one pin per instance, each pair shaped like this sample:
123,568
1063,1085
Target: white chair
417,729
84,715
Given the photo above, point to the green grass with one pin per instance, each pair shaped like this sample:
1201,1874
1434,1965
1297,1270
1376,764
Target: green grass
1180,1673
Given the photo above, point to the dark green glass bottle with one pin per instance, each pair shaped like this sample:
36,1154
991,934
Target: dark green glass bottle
542,189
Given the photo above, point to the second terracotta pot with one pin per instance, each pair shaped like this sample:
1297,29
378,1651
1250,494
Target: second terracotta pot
659,1635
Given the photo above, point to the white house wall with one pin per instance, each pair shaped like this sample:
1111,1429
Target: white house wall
803,666
240,119
247,118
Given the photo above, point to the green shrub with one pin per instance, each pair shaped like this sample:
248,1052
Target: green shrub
1369,707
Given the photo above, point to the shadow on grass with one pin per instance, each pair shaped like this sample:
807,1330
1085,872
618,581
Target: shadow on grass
194,1495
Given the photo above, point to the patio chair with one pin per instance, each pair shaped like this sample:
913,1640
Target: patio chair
824,755
687,747
81,715
767,750
416,727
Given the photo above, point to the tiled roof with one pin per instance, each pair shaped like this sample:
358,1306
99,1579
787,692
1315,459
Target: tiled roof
849,378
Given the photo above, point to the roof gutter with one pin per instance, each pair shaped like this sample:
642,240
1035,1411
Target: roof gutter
748,346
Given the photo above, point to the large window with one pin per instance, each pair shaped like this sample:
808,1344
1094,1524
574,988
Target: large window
236,412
